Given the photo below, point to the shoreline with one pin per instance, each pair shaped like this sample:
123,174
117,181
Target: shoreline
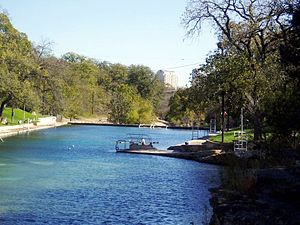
99,123
8,131
195,150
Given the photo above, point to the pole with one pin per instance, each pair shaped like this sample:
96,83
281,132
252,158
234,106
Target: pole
223,118
12,114
242,121
24,113
227,123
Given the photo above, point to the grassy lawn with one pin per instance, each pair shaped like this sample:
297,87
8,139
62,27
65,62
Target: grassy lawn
18,115
229,136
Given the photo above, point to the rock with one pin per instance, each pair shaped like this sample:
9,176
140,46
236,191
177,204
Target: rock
275,202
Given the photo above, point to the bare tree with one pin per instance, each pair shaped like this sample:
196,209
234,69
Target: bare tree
250,26
253,28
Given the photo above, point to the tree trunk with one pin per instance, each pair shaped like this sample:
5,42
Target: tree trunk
3,104
93,102
257,126
223,116
227,123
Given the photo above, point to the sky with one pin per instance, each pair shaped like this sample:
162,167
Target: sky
139,32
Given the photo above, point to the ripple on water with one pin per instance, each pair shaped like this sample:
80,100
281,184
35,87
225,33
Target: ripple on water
90,184
42,163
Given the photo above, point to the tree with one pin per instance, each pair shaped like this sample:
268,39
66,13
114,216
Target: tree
179,108
284,106
141,77
83,94
145,111
73,85
122,103
220,77
252,29
49,80
127,106
290,47
147,84
17,66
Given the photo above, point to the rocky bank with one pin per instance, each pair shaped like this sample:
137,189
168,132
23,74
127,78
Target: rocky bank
272,198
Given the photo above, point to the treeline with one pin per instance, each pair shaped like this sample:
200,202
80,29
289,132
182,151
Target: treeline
73,85
256,67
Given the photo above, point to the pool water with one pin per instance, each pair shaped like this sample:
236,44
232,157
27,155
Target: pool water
72,175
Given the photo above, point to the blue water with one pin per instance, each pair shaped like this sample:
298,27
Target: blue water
71,175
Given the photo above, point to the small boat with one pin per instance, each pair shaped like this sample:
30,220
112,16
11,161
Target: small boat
135,142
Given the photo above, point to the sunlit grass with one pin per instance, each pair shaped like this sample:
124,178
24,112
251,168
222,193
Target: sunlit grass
229,136
18,115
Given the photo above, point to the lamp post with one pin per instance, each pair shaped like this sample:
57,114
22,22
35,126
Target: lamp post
222,92
223,116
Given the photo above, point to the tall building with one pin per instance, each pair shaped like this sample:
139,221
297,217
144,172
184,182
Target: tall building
169,78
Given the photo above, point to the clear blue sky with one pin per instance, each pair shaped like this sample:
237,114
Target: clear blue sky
147,32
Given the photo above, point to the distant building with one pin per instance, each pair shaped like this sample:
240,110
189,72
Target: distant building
169,78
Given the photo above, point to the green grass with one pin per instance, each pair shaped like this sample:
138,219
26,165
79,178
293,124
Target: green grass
229,136
18,115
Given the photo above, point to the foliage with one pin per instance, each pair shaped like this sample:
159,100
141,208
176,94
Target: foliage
179,112
49,84
284,106
73,85
147,84
253,68
249,29
18,68
127,106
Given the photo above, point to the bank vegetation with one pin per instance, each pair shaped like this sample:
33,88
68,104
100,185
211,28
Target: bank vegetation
72,85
